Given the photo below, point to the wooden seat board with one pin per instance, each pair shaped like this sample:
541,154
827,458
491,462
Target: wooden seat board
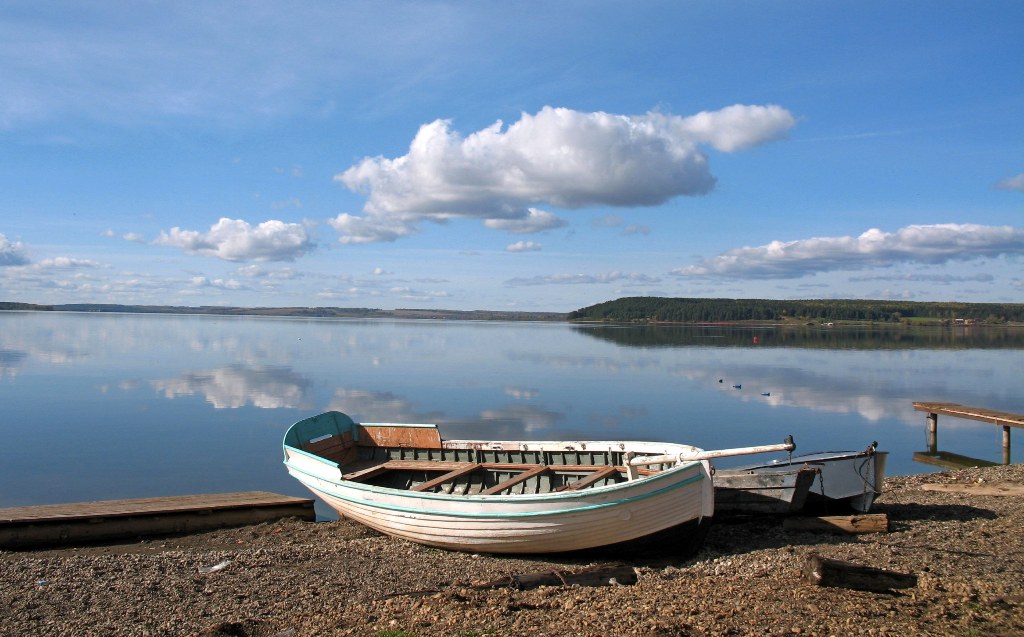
594,477
536,470
467,468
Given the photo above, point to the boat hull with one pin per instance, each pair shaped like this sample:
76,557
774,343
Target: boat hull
845,479
764,492
674,502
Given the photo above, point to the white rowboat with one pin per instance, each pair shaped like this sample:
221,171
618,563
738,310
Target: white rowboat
502,496
844,479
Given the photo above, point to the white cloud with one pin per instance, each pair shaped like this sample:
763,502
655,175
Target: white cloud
535,220
559,156
417,295
1012,183
941,279
584,279
67,263
134,237
12,252
933,244
221,284
236,240
524,246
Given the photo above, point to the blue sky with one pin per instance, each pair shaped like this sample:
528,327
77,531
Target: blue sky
523,156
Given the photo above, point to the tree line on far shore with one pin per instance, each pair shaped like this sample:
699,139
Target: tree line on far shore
649,309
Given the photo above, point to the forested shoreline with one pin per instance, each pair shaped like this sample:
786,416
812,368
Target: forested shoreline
644,309
640,309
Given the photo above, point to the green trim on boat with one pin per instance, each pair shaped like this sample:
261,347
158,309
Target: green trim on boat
514,514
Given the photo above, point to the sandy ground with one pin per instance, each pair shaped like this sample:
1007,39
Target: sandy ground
300,578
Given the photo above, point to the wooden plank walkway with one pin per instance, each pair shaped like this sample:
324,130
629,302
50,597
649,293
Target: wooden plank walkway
1003,419
83,522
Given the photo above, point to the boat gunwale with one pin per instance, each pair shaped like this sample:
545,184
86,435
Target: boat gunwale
817,457
493,498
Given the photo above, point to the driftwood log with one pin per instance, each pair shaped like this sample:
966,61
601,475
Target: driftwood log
602,575
822,571
974,488
593,576
853,524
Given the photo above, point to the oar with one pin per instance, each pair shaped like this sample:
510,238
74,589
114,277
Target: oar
788,445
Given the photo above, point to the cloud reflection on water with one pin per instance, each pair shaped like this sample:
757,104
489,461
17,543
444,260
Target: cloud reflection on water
236,386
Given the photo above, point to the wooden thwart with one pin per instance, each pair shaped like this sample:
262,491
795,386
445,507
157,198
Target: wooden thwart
596,476
531,472
452,470
60,524
457,472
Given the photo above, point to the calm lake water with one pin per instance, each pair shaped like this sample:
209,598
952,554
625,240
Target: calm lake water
105,406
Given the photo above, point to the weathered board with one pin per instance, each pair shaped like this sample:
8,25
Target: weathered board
84,522
1002,418
852,524
974,488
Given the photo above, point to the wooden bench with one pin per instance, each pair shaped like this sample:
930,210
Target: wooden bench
1003,419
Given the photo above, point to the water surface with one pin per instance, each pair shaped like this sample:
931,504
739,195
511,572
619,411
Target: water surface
102,406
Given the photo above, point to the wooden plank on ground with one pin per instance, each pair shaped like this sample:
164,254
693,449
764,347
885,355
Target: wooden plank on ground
58,524
974,488
853,524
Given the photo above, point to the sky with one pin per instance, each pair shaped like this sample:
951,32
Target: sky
535,156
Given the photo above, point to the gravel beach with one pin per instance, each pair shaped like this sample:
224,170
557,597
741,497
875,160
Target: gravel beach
336,578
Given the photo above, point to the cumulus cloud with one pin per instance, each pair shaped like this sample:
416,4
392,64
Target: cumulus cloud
221,284
236,240
584,279
941,279
524,246
934,244
534,221
1012,183
68,263
559,156
12,252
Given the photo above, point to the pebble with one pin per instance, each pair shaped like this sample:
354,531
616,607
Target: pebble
297,578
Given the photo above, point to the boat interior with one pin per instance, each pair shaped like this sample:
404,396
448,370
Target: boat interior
414,458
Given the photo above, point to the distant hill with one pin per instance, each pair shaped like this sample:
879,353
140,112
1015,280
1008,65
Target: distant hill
646,309
318,312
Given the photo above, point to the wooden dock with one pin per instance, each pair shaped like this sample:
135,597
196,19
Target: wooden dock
85,522
1004,419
